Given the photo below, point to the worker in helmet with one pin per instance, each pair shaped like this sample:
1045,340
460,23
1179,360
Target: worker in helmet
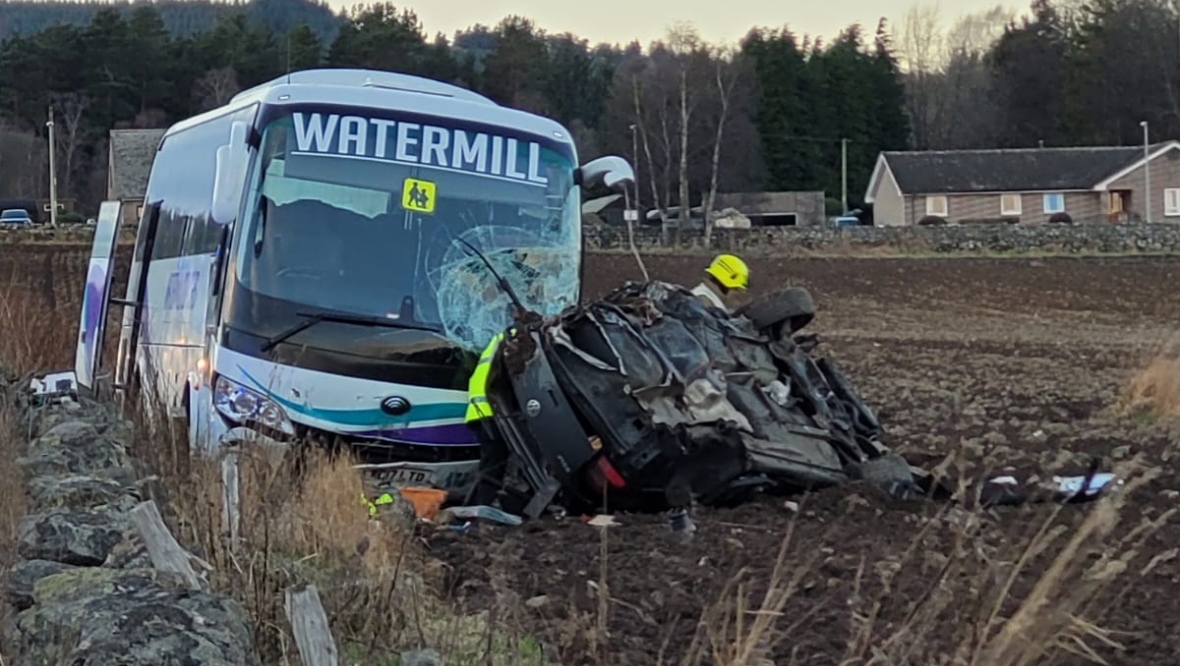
726,274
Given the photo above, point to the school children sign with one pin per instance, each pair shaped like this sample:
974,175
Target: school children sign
419,144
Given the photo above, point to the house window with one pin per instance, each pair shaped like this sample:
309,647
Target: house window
936,206
1010,204
1172,202
1054,203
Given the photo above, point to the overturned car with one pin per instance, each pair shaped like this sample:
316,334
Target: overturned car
649,399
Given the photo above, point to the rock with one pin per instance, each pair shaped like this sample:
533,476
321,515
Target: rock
1120,452
130,553
73,536
103,458
76,492
537,602
99,416
68,432
421,658
131,618
25,575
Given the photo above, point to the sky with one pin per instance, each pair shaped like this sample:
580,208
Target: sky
726,21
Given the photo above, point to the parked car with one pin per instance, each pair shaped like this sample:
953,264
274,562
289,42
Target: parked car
15,216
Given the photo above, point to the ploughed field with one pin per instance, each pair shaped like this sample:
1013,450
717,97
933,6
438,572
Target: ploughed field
1012,365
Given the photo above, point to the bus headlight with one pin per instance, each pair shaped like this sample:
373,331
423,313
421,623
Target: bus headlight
241,405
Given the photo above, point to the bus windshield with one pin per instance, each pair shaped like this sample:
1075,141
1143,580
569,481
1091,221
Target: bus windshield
373,216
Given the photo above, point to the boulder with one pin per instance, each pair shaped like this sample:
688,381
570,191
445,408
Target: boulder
130,553
76,492
25,575
132,618
77,450
427,657
82,537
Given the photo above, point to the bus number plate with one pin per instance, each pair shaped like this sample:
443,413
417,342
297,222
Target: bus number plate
405,476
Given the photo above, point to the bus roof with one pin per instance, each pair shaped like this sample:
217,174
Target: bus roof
380,90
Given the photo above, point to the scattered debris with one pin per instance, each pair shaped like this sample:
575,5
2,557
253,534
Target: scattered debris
602,520
486,513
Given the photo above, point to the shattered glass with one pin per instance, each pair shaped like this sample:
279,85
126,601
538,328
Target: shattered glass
542,270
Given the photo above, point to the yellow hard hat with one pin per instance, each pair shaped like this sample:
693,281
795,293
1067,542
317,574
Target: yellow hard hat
730,271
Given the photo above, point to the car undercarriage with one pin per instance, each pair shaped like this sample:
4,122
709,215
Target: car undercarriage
649,399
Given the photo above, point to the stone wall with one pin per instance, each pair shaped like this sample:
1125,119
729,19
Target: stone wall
1158,238
85,590
989,238
71,233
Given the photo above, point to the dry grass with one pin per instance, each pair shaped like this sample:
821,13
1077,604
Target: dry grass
1038,598
312,526
1155,391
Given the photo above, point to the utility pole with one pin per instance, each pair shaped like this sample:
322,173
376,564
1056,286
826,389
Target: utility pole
844,175
52,172
635,166
1146,170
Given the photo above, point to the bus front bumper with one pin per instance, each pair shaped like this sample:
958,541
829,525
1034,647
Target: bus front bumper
457,478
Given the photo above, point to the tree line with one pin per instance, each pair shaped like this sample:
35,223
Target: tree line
1066,73
697,119
770,113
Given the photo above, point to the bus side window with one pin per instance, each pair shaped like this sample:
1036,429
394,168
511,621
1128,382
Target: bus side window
169,234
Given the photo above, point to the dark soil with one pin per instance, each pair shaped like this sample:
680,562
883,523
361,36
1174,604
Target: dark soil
1009,365
1012,365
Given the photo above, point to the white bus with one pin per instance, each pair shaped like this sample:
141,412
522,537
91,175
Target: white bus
303,269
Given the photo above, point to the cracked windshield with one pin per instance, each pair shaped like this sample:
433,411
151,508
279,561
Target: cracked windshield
373,216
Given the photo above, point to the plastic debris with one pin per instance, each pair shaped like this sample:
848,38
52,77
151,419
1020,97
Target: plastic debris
426,501
1072,485
602,520
485,512
680,522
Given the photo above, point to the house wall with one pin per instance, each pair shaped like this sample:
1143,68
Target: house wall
1165,175
1081,206
889,206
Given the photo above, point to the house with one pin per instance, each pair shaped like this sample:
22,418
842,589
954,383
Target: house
129,162
1027,185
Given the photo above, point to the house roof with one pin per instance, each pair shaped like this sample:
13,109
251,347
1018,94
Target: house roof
1009,170
132,152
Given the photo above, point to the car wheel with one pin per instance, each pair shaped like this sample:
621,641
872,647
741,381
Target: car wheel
794,308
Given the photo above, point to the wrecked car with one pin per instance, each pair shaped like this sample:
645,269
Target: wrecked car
649,399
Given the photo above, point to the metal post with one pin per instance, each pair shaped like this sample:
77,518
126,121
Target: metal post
844,175
1146,170
52,173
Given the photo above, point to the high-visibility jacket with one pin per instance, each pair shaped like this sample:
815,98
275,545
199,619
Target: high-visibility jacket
477,399
708,296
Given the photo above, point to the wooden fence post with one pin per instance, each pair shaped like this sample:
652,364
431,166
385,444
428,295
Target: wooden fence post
231,518
309,625
165,552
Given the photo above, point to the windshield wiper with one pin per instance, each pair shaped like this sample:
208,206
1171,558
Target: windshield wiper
314,318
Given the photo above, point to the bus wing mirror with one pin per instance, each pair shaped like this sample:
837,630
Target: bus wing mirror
229,173
612,171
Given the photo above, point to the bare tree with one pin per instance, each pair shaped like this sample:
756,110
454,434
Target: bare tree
660,203
684,42
725,86
674,101
921,59
216,87
72,106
